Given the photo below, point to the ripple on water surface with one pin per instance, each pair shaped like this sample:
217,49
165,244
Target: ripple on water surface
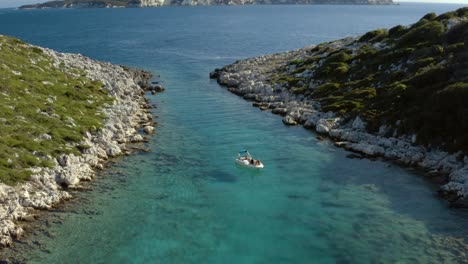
186,201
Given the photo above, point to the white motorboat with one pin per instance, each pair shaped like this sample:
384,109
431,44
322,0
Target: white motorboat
245,159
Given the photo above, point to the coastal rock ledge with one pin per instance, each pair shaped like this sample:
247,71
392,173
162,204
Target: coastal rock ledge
357,91
122,116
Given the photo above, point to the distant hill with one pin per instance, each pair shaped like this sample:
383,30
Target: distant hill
152,3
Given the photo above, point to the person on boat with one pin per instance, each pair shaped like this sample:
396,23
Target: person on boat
257,162
252,161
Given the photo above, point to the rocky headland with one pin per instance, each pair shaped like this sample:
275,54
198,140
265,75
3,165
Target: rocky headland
155,3
401,94
63,116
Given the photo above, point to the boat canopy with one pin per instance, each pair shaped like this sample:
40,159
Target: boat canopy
244,153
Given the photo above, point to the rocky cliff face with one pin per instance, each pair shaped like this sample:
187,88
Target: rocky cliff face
153,3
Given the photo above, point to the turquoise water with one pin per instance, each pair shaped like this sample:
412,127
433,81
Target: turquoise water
186,201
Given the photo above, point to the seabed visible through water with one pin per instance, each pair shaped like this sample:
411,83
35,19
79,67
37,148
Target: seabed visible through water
186,201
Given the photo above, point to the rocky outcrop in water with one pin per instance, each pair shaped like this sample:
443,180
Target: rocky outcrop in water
123,117
154,3
371,94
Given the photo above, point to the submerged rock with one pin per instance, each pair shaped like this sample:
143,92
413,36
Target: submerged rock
157,88
149,129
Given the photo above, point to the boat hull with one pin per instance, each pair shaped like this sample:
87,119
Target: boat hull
247,164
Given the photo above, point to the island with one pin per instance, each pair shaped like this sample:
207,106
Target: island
155,3
63,116
401,94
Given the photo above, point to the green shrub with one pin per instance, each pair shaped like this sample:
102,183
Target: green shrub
363,93
430,16
446,16
326,89
462,12
333,71
430,77
397,31
15,41
290,80
366,52
374,36
298,90
341,106
447,109
14,176
36,50
455,47
398,54
311,60
437,50
429,31
357,83
339,68
458,33
456,91
422,63
295,62
398,87
338,57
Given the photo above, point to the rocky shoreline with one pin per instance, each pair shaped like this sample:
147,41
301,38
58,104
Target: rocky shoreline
125,121
253,80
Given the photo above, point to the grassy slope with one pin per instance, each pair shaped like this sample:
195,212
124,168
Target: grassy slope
420,78
38,99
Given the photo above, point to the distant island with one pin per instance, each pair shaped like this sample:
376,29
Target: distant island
154,3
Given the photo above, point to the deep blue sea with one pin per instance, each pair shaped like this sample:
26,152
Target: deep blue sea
185,201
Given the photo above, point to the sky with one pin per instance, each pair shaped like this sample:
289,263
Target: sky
16,3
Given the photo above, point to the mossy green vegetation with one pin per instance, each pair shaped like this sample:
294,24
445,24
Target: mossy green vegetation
374,36
44,111
417,75
421,32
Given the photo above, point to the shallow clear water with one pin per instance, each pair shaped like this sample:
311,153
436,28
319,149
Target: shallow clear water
186,201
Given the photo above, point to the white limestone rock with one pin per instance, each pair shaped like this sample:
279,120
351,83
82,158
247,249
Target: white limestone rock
113,150
288,120
368,149
322,129
358,124
136,138
148,129
325,125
